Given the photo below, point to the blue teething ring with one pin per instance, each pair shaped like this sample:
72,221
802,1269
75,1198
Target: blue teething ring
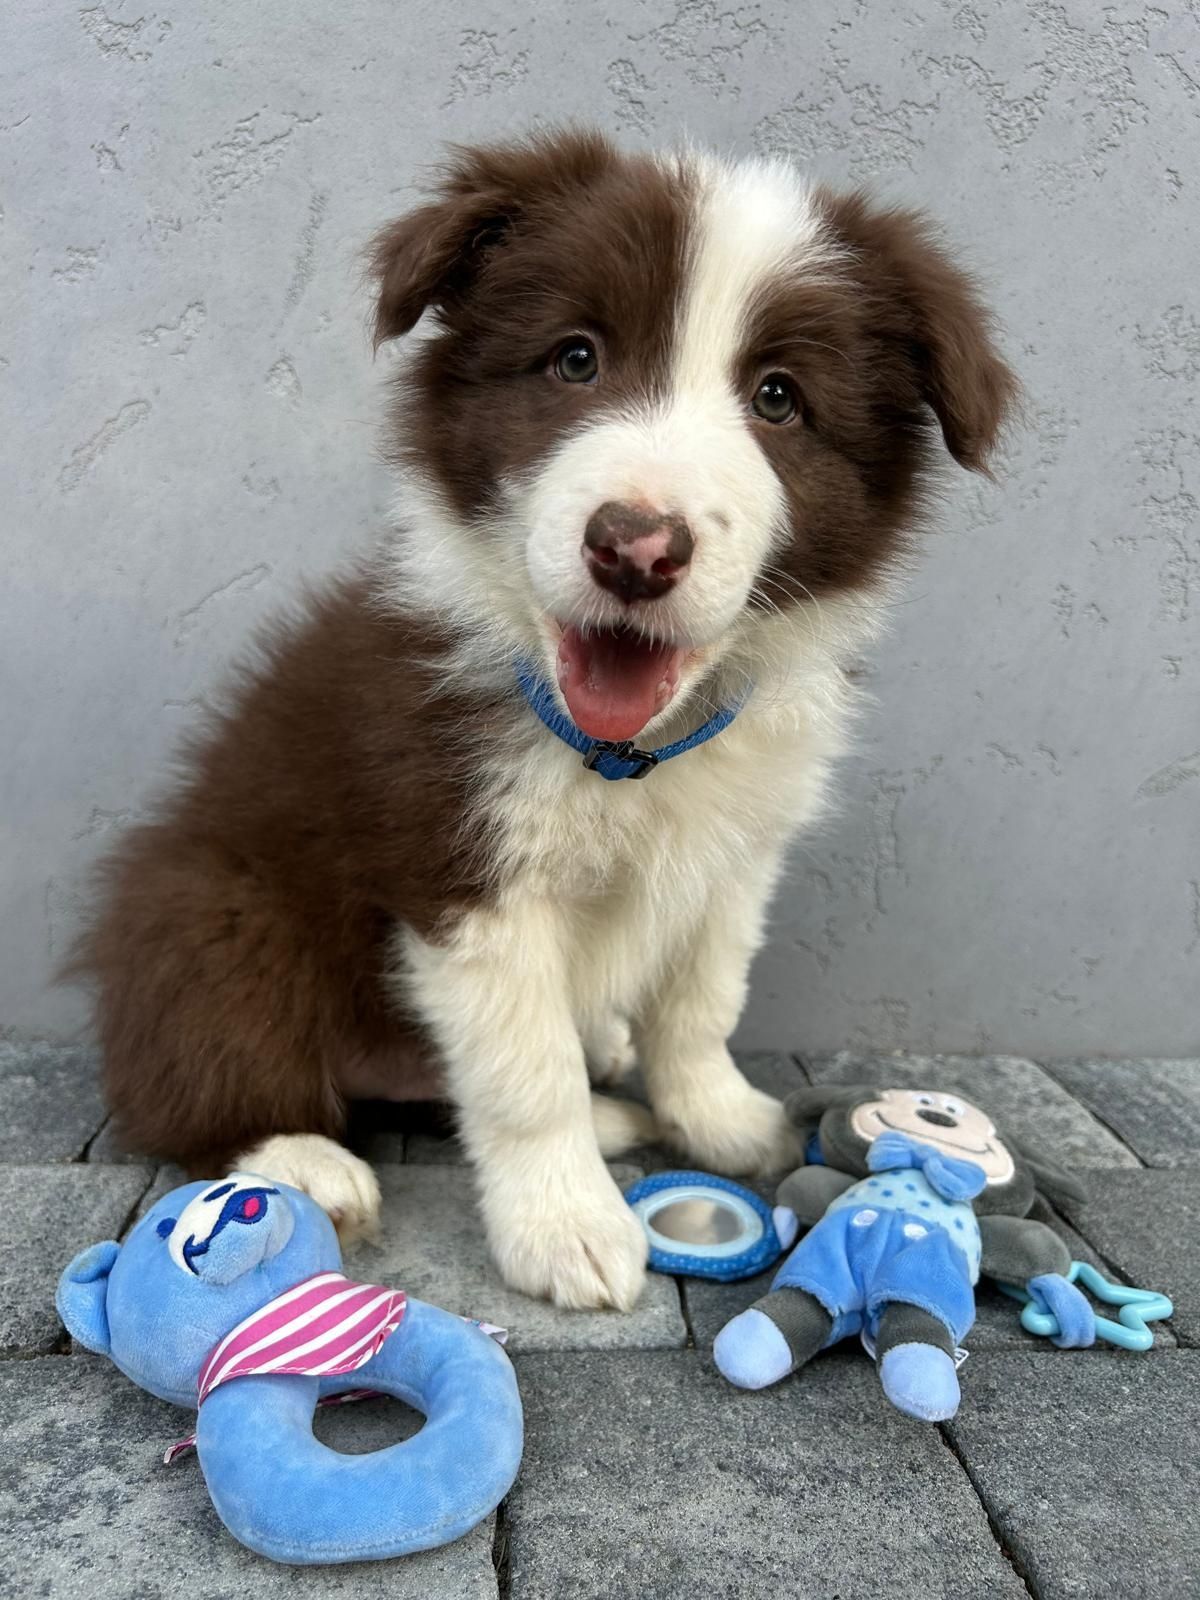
288,1496
752,1252
1137,1307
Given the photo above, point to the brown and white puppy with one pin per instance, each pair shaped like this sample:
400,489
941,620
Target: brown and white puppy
673,424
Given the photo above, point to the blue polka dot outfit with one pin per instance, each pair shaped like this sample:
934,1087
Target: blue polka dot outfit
920,1201
889,1240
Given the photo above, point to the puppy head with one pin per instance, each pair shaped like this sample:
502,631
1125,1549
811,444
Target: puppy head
664,397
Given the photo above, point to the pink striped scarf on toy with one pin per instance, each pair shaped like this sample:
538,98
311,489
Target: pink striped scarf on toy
320,1328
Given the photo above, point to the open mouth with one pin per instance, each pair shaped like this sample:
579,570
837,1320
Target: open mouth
614,680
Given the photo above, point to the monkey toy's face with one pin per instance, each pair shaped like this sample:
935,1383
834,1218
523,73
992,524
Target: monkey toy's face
942,1120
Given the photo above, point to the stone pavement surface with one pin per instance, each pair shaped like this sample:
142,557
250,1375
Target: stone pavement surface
1065,1473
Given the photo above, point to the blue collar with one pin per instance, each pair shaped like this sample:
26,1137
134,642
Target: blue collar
612,759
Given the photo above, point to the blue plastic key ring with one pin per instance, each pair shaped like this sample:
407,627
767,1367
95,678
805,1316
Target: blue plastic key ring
1129,1332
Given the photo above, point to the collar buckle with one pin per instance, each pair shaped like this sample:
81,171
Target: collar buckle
643,761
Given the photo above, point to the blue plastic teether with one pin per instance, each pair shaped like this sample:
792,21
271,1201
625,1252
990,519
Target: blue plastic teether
1129,1332
702,1226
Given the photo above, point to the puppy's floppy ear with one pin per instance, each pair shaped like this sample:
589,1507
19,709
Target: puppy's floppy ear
432,255
926,306
423,257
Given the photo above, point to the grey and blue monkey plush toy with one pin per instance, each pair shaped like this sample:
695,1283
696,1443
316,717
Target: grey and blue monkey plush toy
908,1197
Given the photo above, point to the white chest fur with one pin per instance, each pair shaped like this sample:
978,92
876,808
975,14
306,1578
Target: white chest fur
626,871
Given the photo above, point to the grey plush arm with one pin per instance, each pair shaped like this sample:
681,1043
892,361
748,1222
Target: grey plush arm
1016,1249
808,1191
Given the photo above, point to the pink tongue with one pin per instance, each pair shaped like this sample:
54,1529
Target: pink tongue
614,683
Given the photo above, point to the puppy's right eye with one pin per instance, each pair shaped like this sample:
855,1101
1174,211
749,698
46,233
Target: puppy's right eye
577,362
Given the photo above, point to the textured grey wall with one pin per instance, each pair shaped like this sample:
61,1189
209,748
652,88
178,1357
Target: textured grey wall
188,408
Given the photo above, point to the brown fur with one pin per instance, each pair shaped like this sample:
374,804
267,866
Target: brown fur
242,945
534,242
895,333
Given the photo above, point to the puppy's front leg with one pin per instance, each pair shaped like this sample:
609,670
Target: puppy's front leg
702,1103
494,995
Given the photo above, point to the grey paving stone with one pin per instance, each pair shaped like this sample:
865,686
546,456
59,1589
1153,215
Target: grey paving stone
1093,1478
1018,1093
107,1149
88,1510
50,1214
772,1070
432,1245
645,1474
1147,1223
50,1101
426,1149
1153,1105
166,1178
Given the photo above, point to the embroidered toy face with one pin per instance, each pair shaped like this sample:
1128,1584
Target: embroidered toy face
228,1228
941,1120
202,1258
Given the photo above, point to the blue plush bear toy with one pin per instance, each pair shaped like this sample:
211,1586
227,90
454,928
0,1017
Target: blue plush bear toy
229,1295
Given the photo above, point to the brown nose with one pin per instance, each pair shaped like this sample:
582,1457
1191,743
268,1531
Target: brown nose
635,552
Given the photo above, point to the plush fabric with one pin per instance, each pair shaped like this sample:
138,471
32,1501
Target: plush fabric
752,1352
210,1256
904,1198
1069,1306
920,1380
858,1260
952,1178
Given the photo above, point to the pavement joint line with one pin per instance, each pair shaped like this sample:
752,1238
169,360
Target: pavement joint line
686,1313
1048,1068
60,1347
502,1553
85,1154
134,1208
997,1533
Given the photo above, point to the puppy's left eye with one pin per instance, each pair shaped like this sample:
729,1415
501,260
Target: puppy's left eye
577,362
775,399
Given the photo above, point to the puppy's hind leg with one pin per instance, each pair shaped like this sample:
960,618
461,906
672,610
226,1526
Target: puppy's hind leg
219,1015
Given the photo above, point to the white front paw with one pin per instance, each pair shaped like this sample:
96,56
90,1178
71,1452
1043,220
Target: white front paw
342,1184
734,1128
569,1239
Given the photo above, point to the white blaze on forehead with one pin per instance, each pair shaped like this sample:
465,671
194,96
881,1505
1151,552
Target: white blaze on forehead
752,223
692,449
